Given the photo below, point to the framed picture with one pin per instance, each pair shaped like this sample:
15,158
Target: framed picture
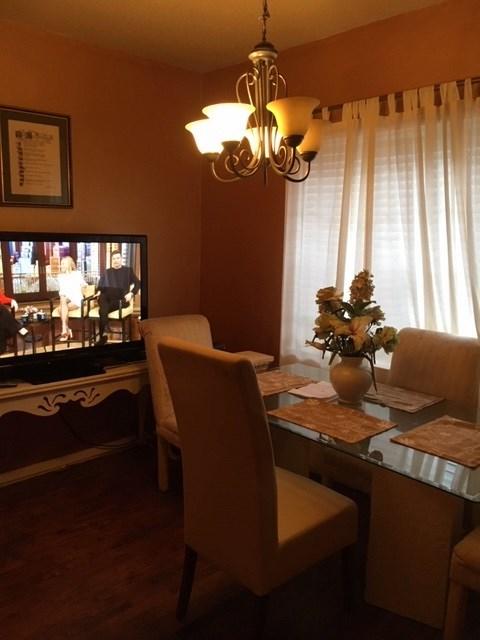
35,159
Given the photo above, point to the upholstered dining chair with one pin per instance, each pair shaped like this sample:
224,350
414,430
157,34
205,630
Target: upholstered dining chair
431,362
194,328
439,364
260,524
464,575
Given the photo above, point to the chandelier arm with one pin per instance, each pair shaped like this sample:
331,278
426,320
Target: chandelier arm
299,168
279,158
251,165
218,177
296,165
290,179
250,78
294,168
285,165
245,77
255,81
237,167
276,79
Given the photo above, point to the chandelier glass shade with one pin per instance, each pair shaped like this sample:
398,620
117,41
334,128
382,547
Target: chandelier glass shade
264,128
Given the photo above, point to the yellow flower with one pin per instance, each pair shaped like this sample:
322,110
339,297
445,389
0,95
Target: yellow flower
328,293
356,329
376,314
386,338
329,299
361,289
323,324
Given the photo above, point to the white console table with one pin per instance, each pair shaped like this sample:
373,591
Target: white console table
46,400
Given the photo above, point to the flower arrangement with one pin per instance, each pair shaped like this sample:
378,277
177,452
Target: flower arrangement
352,328
29,310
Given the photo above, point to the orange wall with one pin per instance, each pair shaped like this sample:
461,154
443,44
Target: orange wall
133,170
242,224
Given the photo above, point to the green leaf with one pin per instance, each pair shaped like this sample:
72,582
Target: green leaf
348,307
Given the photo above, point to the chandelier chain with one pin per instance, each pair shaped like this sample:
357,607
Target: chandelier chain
264,17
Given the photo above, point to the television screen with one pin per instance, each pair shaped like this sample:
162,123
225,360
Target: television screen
66,296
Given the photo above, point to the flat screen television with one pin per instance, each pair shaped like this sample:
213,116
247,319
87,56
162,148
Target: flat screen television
76,300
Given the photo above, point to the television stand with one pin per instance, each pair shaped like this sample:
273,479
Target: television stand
58,371
46,398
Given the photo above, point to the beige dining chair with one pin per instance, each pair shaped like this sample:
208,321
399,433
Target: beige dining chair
431,362
194,328
439,364
464,575
260,524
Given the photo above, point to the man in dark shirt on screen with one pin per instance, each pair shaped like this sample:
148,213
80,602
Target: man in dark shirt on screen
117,286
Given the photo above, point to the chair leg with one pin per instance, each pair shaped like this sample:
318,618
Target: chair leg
261,609
52,332
348,576
162,463
455,615
92,332
188,574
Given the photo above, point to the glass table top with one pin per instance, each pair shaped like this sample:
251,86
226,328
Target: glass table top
443,474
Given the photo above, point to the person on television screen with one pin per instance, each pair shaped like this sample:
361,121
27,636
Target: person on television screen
71,287
116,287
8,325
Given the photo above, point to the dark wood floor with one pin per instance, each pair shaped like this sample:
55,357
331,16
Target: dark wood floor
95,552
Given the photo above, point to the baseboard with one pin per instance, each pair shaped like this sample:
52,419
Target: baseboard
56,464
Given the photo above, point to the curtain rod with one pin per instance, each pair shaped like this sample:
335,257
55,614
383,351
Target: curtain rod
398,95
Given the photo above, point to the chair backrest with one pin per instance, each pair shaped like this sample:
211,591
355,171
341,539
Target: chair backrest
439,364
88,301
228,470
194,328
89,290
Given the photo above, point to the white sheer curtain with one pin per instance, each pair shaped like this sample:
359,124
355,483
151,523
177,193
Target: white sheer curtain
397,192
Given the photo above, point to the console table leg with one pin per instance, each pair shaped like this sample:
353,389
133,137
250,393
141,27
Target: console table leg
142,403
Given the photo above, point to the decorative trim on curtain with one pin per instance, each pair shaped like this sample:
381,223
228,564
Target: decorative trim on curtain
394,101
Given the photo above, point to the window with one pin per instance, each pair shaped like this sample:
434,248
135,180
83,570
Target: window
397,192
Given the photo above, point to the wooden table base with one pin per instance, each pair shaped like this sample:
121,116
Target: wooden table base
413,528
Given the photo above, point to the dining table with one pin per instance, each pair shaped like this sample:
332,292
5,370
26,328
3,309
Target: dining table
420,502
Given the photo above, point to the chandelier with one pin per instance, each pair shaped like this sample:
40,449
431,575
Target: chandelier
266,129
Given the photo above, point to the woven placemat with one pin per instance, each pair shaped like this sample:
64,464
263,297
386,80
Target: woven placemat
400,398
448,438
271,382
333,420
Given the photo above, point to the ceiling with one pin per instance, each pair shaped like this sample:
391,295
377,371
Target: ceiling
200,35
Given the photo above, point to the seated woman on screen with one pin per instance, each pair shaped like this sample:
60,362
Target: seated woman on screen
71,285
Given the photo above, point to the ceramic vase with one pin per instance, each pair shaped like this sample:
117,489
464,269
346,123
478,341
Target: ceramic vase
351,378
